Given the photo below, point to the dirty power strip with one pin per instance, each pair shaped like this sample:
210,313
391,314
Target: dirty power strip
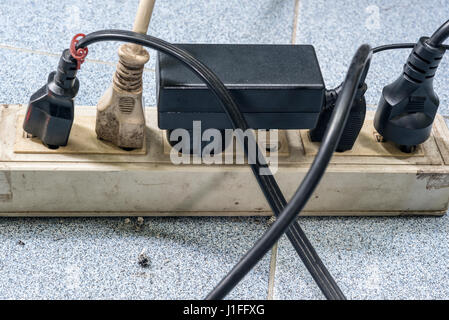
91,177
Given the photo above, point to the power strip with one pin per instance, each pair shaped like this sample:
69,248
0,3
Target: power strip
90,177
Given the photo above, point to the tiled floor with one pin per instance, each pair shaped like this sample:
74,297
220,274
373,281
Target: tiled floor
97,258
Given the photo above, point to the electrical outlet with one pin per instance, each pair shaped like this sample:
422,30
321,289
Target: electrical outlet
82,140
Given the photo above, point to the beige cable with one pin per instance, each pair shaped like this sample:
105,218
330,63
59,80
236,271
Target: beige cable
143,16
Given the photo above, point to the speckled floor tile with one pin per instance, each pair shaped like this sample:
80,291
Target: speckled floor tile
337,29
371,258
98,258
24,72
50,25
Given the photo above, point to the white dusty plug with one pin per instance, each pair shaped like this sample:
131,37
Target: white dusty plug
120,111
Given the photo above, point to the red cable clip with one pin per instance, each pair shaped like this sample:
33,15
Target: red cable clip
80,54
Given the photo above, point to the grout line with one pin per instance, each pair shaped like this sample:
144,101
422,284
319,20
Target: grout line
272,275
49,54
295,21
42,53
274,250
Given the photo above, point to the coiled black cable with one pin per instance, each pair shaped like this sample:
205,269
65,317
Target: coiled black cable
267,183
356,73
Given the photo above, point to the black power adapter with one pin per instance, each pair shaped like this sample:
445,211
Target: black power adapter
276,87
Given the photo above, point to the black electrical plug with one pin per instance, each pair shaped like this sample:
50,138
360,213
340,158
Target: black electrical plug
353,125
408,106
50,111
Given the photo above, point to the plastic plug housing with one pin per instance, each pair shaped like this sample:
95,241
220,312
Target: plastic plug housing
408,106
50,111
120,111
354,123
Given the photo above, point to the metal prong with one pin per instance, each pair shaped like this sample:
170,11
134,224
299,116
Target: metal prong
27,135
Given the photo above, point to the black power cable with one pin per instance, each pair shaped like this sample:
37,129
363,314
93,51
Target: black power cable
267,183
441,35
356,73
436,40
399,46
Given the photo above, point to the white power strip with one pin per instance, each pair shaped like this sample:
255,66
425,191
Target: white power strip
92,178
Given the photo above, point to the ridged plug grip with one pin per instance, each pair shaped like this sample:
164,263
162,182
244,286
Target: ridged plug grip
408,106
